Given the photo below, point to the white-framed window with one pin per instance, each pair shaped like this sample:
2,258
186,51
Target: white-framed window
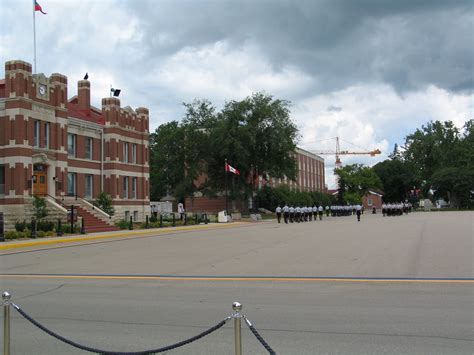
369,202
37,134
127,215
135,216
125,187
71,184
88,147
134,187
71,145
134,153
125,152
46,135
89,181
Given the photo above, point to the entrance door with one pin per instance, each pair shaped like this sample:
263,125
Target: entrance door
40,182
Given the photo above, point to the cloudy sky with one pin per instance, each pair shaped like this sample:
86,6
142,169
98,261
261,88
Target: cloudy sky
368,71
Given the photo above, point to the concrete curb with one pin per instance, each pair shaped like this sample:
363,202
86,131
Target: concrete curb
72,239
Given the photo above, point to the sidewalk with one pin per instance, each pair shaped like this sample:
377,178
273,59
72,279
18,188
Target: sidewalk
13,244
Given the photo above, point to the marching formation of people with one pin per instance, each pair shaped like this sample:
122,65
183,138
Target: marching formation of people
298,214
396,209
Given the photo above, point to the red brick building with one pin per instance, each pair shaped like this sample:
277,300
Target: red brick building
310,177
60,148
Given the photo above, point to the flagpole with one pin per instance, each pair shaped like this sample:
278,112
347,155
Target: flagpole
34,35
226,198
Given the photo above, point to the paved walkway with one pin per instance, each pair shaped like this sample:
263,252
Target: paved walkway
13,244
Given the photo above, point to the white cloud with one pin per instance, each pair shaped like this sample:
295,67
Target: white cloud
373,116
220,72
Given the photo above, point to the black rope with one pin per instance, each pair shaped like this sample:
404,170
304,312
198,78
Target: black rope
98,351
259,338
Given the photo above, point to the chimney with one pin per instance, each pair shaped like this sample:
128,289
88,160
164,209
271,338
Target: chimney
84,94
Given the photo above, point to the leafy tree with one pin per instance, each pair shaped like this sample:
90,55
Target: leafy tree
166,159
443,159
104,202
355,181
397,177
255,135
270,198
39,207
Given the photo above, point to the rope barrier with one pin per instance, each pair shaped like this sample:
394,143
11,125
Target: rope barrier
259,337
104,352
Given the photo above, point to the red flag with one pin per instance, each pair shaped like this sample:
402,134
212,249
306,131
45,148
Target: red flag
38,8
231,169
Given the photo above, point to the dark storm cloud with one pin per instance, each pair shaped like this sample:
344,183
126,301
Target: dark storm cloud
406,43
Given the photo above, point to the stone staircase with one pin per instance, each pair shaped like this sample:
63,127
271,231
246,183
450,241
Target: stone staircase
92,223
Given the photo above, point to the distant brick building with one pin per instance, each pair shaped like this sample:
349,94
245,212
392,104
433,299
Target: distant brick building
310,177
372,199
59,148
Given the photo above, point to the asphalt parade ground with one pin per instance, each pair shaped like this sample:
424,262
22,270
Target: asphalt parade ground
386,285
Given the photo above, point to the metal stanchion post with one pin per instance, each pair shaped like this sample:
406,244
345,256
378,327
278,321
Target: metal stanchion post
6,323
174,220
237,307
33,228
146,222
83,227
205,218
59,230
161,220
130,224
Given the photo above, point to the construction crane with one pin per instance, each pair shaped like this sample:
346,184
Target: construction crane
340,152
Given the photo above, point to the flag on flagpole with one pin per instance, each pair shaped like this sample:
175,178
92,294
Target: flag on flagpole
38,8
231,169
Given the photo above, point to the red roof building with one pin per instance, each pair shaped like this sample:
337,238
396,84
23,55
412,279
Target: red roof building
67,150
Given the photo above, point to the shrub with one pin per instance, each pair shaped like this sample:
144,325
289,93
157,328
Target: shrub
45,226
123,224
104,202
66,228
20,226
10,235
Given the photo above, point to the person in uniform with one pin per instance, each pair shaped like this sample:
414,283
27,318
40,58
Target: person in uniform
292,214
327,210
286,213
278,213
384,209
314,210
358,212
320,212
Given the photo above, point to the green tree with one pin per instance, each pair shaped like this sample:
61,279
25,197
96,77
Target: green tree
355,181
255,135
397,178
443,159
166,159
39,207
104,202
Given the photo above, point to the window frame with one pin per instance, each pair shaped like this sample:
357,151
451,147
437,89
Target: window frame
71,191
46,134
134,187
125,187
36,133
74,145
89,153
89,177
2,179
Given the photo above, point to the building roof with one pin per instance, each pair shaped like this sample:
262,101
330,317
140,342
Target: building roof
92,115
